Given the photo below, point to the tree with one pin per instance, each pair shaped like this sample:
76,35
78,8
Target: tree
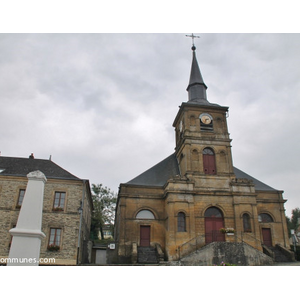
104,201
295,218
294,221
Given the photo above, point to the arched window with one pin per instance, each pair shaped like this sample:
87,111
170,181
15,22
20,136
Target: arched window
209,161
181,224
213,212
265,218
145,214
246,223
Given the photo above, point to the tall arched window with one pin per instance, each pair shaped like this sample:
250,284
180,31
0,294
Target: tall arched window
246,223
181,224
209,161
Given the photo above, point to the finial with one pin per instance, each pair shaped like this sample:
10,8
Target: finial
193,36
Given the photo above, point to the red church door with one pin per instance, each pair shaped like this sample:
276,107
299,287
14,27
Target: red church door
144,236
214,221
267,238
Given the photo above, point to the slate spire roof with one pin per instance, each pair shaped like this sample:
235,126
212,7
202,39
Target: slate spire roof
16,166
196,88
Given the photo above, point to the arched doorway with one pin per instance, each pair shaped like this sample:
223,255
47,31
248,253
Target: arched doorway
265,218
145,230
214,221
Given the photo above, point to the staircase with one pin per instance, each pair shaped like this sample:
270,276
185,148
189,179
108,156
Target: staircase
147,255
279,255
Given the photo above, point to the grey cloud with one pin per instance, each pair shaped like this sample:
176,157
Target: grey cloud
103,104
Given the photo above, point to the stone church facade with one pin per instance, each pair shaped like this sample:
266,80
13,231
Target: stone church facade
196,196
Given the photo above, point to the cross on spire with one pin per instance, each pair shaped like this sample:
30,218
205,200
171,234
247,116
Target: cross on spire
193,37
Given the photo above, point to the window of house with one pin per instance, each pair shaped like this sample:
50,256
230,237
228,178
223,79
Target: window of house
54,238
209,161
181,224
246,223
145,214
21,197
265,218
59,201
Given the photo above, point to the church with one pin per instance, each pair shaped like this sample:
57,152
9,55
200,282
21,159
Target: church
195,196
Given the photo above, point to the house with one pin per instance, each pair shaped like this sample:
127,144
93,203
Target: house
195,196
67,207
107,232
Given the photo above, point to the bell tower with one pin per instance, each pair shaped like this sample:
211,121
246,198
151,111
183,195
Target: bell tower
202,139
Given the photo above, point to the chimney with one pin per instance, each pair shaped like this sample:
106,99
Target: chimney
31,156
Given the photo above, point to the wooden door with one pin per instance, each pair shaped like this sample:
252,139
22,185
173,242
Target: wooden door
212,230
144,236
267,237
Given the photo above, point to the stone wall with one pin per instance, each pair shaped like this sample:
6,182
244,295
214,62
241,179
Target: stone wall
68,219
216,253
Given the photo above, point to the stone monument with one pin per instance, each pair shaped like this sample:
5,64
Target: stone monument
27,235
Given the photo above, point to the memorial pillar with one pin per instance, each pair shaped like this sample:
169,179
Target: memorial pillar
27,235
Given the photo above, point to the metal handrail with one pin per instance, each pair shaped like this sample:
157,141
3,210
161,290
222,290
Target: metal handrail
242,233
193,244
190,244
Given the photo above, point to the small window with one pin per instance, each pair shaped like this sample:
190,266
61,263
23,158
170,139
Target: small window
265,218
54,239
145,214
59,201
181,224
20,198
246,223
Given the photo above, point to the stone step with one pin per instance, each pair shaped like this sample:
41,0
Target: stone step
279,256
147,255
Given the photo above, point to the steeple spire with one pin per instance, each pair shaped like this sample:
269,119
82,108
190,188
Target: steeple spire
196,88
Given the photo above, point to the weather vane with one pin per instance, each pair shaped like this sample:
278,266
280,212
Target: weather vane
193,37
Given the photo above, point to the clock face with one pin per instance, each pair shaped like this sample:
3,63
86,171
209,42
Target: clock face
206,119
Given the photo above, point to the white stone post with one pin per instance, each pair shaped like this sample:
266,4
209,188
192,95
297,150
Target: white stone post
27,235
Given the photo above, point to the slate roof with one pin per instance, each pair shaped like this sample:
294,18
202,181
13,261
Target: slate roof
168,168
159,174
259,186
15,166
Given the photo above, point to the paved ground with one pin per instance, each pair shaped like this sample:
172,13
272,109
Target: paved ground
290,264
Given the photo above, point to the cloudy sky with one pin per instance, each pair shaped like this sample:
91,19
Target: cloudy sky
102,105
